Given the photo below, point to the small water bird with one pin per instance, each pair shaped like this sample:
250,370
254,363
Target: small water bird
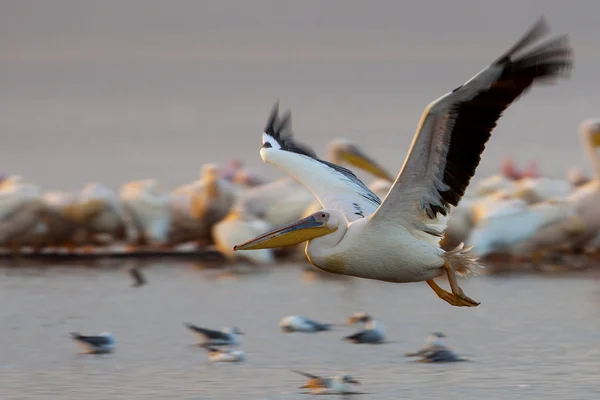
372,333
100,344
398,239
220,355
138,276
340,384
436,351
297,323
209,337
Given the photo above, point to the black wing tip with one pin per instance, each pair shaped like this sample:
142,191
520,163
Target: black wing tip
280,129
550,59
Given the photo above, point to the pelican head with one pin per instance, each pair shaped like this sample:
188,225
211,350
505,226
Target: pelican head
342,150
590,129
318,224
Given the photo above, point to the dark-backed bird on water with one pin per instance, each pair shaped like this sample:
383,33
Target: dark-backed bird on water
436,351
209,337
398,239
103,343
372,332
297,323
340,384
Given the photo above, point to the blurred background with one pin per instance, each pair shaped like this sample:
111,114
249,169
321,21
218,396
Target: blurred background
117,90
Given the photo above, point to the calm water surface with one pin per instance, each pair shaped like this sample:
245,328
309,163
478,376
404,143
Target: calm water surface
532,337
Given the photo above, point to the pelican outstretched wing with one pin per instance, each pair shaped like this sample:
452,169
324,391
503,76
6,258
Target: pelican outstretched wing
334,186
454,129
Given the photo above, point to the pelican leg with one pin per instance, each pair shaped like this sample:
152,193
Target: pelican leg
465,300
444,295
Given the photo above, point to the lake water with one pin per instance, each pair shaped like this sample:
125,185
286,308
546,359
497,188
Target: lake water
532,337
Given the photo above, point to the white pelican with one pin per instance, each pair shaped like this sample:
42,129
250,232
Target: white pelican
586,198
224,337
372,333
297,323
237,227
334,385
397,240
105,215
515,223
436,351
197,206
220,355
148,210
64,220
103,343
21,213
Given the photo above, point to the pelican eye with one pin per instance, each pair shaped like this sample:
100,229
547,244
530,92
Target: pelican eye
323,215
267,145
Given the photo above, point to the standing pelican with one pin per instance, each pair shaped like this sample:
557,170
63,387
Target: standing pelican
586,198
148,209
104,215
197,206
397,240
21,212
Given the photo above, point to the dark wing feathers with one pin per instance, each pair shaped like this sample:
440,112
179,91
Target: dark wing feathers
306,374
209,333
455,128
473,120
281,131
91,340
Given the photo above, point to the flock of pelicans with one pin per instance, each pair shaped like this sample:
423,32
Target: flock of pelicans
430,222
212,340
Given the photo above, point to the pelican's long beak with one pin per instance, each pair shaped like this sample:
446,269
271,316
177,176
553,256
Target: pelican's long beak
354,156
297,232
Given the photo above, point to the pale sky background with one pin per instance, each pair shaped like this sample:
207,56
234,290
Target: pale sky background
111,91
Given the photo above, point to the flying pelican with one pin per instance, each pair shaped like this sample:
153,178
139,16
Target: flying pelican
282,201
148,210
397,240
334,385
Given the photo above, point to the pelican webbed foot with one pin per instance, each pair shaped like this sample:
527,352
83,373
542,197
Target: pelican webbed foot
457,298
